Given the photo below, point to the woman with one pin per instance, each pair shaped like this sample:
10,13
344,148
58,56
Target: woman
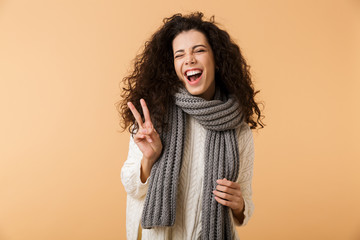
189,104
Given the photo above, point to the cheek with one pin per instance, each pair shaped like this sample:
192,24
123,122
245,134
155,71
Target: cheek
210,65
210,62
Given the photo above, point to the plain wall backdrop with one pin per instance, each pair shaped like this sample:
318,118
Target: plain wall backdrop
61,149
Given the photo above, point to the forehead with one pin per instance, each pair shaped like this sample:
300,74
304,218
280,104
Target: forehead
188,39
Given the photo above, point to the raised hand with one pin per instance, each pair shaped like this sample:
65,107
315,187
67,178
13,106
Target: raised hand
146,138
228,193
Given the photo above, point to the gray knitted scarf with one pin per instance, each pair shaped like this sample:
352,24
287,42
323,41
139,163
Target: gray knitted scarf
220,117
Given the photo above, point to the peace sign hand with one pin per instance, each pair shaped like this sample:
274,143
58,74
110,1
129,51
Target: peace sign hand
146,138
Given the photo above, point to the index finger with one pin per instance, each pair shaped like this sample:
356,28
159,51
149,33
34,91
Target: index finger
228,183
145,110
135,113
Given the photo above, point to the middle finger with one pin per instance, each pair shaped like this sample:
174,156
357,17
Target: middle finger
228,190
145,111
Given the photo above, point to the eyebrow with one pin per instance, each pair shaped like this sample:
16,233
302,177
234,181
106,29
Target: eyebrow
199,45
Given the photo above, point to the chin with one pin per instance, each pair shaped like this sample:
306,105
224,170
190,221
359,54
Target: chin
194,92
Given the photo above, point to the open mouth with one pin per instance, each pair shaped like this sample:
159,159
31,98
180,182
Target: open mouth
193,75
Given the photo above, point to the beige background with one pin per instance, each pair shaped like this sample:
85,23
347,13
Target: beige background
61,150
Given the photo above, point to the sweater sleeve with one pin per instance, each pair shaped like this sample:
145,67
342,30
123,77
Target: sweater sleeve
246,153
130,172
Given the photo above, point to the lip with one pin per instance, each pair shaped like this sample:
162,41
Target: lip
197,80
194,82
192,69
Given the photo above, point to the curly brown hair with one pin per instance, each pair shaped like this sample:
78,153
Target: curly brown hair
154,78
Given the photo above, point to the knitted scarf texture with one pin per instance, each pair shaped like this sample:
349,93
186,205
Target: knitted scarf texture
220,117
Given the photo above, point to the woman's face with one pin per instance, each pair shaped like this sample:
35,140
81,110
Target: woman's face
194,63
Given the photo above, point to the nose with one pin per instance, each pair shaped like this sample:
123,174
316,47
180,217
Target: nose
190,59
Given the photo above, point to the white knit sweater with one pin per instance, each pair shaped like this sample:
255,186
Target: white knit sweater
189,197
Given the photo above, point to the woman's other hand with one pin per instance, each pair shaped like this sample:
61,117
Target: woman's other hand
228,193
147,139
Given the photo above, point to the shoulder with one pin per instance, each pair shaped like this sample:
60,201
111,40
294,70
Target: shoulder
243,131
245,137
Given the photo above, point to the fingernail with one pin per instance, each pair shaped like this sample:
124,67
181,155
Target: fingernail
218,181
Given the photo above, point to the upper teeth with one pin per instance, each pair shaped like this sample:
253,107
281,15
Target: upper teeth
193,72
